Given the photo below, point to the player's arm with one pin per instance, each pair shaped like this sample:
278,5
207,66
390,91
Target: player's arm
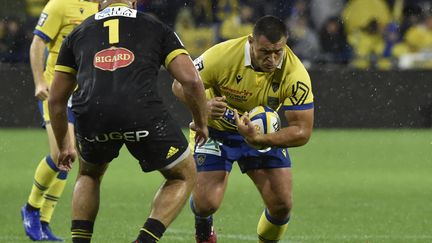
37,62
190,90
216,106
297,133
61,89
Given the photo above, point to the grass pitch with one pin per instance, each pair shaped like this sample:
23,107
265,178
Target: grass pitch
349,186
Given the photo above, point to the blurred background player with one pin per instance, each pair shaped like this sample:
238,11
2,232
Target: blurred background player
114,59
57,20
240,74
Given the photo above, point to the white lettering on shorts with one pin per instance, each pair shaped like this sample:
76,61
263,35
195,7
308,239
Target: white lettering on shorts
134,136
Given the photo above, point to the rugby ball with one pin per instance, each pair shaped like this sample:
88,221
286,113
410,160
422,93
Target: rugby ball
265,119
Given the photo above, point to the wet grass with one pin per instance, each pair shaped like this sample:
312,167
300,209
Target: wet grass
349,186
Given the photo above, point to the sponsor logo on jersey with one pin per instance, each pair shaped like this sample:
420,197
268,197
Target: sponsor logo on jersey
116,11
237,95
134,136
43,17
113,58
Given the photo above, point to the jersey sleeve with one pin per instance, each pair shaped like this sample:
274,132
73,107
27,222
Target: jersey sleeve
299,91
171,45
66,58
205,66
50,21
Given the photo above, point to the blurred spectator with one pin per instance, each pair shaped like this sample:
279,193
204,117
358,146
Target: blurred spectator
391,37
412,15
334,44
299,9
203,12
14,42
162,9
226,8
195,39
322,10
368,46
357,14
303,40
3,40
239,23
417,39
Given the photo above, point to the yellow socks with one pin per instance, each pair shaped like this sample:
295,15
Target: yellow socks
47,188
44,176
270,230
52,195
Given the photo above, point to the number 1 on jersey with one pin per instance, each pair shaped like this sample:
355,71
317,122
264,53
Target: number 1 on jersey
113,30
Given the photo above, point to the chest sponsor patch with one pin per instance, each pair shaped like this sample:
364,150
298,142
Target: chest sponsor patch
113,58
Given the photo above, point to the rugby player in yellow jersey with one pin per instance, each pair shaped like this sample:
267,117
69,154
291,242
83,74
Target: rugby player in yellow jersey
57,20
240,74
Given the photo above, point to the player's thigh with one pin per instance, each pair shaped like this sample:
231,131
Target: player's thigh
274,185
95,171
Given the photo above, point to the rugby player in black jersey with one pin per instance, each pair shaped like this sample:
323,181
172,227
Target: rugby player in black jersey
109,64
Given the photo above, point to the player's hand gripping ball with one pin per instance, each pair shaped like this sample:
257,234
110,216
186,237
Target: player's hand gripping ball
265,120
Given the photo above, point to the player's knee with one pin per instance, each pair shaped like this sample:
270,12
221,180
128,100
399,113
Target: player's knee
184,171
205,205
281,209
206,208
92,170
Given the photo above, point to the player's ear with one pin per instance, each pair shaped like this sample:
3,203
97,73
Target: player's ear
250,39
133,4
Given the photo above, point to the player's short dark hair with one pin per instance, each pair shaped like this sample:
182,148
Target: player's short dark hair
271,27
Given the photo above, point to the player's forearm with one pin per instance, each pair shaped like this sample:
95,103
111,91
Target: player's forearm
194,98
291,136
37,60
177,90
59,122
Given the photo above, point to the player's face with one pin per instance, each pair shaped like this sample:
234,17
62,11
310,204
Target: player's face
265,55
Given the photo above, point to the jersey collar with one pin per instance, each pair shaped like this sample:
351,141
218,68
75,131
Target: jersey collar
248,60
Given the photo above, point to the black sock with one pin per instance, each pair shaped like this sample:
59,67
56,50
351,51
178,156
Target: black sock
82,231
203,227
151,232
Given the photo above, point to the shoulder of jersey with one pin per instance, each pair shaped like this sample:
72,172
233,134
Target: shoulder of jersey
227,48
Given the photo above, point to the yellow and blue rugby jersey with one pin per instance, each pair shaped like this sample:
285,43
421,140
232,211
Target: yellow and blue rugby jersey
226,70
57,20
